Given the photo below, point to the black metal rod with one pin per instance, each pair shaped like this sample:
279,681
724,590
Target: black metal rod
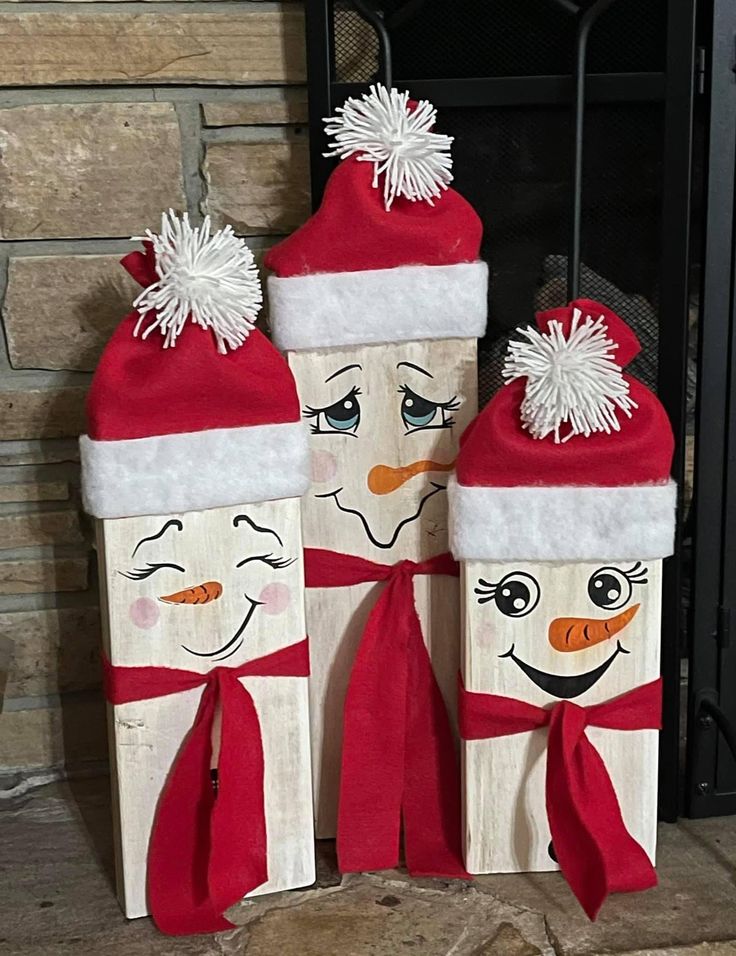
725,726
374,16
585,24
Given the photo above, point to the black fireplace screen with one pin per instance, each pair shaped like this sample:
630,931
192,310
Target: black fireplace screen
501,75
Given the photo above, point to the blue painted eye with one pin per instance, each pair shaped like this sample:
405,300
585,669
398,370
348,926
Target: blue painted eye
344,415
417,412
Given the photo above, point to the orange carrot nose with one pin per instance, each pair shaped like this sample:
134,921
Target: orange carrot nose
201,594
382,479
577,633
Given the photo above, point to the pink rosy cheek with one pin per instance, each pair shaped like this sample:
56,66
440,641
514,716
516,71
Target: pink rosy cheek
324,466
275,598
144,613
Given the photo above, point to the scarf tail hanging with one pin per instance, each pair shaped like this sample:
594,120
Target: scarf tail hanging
596,853
398,757
207,852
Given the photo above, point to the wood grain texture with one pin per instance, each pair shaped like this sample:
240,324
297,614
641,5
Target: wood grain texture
249,44
506,829
410,522
146,735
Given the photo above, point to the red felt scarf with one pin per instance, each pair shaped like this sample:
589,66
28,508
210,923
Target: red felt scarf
398,756
596,853
206,853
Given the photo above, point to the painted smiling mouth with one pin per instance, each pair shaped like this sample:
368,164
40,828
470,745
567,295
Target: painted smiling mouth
565,687
227,650
399,527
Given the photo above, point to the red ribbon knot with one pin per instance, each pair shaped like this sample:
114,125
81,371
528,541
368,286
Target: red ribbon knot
208,851
596,853
398,754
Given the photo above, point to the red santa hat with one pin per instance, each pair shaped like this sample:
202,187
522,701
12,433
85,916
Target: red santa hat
570,461
392,253
191,407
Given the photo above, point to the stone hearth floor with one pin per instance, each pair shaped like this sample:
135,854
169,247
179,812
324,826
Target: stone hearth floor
56,897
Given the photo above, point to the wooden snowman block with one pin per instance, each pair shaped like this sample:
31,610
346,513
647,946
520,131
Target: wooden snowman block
517,620
377,302
193,466
561,514
160,576
379,492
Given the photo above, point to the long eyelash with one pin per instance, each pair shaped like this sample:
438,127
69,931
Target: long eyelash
451,405
138,574
276,563
487,591
310,411
637,574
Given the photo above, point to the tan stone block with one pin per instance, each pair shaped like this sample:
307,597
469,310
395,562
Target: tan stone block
60,311
87,169
266,106
72,734
54,650
258,187
39,453
247,44
34,491
42,412
40,527
39,576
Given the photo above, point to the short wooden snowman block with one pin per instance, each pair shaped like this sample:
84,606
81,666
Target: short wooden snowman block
561,514
194,465
377,302
196,591
544,632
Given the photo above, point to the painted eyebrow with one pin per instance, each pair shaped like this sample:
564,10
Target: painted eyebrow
174,523
238,518
417,368
345,368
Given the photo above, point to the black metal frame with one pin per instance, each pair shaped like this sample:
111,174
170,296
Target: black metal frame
675,88
710,777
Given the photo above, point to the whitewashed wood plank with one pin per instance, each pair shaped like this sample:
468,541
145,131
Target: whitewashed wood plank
506,828
342,463
146,735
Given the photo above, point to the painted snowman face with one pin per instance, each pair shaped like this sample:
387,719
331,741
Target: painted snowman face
581,632
204,588
385,423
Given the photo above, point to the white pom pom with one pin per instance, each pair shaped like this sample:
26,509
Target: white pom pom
211,278
399,142
569,381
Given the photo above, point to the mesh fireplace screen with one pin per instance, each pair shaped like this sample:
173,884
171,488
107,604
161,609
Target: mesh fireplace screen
514,163
509,165
433,39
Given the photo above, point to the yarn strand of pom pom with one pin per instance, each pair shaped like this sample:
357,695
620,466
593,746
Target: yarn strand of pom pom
571,380
381,128
210,279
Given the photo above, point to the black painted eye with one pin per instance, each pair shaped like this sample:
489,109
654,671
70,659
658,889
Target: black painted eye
609,589
342,416
516,594
416,411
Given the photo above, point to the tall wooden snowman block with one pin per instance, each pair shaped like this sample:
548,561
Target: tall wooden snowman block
561,514
378,300
194,464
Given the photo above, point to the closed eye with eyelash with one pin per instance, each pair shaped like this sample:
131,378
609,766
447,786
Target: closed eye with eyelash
276,563
139,574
